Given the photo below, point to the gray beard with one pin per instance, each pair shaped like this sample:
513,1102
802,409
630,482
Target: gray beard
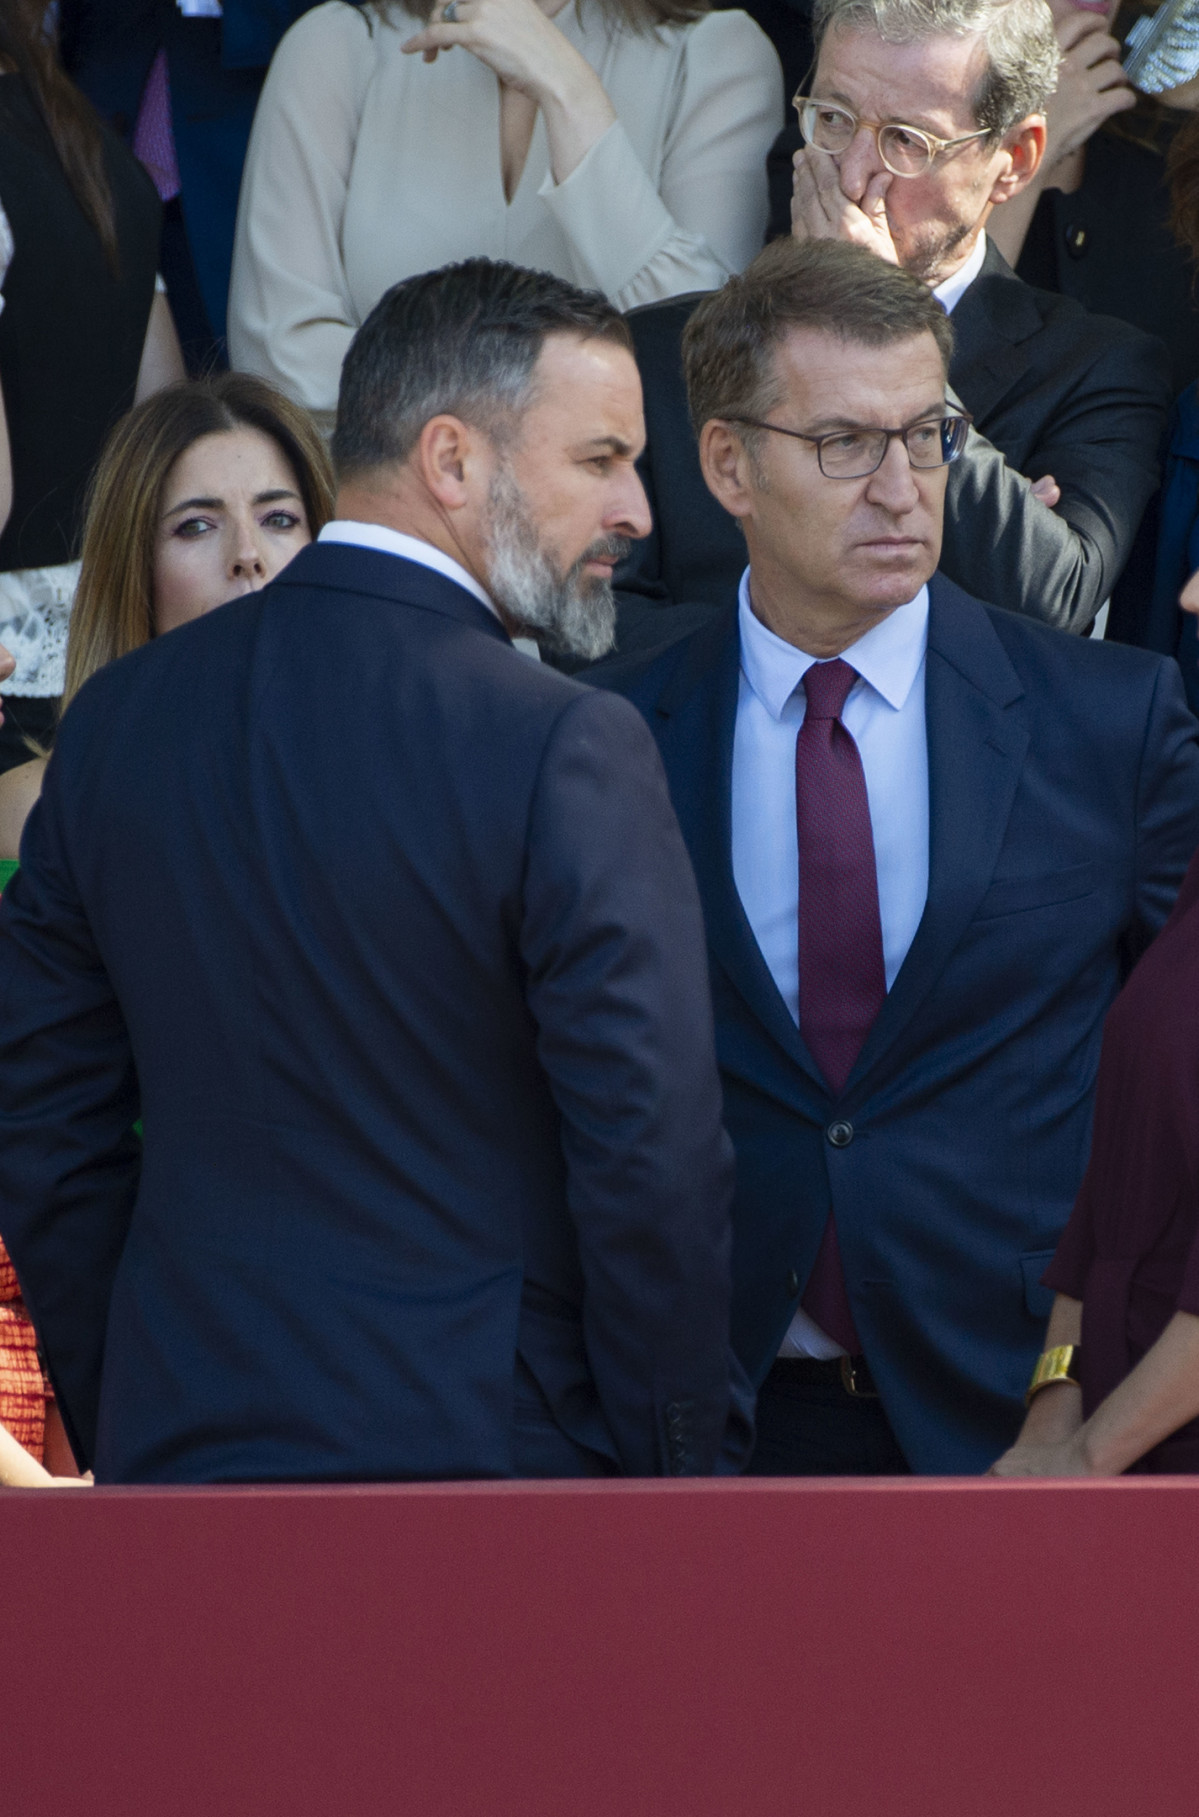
572,612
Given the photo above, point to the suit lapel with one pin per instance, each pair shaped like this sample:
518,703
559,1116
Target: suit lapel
993,319
695,718
977,741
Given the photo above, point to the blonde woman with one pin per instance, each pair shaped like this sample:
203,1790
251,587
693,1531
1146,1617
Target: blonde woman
202,494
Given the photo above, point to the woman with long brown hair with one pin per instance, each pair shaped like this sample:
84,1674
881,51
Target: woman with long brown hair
618,143
201,494
82,335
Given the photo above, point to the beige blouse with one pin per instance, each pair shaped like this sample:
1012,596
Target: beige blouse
366,166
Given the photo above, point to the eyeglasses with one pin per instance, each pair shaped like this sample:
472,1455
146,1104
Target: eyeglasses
907,151
856,453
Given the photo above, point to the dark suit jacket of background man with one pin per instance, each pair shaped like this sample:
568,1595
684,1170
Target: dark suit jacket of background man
1063,808
389,934
1051,390
217,67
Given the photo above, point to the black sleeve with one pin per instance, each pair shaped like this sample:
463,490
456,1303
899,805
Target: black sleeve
1102,443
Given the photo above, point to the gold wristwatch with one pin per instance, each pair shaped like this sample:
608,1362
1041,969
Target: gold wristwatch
1061,1364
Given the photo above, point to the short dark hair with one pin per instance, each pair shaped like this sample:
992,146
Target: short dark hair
462,340
730,340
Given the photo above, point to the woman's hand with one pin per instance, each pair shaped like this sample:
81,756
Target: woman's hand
1091,87
512,37
1065,1457
528,53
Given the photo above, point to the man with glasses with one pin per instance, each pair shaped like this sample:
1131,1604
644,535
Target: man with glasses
918,119
928,834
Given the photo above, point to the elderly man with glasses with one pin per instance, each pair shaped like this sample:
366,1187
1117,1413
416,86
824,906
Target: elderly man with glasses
921,117
928,834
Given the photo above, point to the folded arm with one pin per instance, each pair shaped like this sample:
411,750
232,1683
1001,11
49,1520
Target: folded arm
706,217
1101,444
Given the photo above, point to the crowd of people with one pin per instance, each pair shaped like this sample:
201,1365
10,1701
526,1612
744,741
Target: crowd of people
599,771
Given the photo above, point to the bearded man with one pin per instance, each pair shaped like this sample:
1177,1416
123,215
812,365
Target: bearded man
389,935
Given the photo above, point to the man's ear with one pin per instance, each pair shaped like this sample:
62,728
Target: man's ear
1025,146
446,459
727,469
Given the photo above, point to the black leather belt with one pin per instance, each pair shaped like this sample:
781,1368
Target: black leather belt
849,1372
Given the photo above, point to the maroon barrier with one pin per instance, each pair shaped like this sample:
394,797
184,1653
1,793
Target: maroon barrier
875,1649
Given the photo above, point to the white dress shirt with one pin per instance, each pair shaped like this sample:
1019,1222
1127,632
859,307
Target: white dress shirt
884,713
950,293
412,548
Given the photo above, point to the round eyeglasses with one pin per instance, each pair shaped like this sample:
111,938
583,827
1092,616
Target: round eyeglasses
907,151
856,453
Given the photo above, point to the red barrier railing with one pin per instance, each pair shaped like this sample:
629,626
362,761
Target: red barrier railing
872,1649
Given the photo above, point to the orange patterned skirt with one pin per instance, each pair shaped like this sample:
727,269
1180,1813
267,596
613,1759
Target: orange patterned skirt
23,1388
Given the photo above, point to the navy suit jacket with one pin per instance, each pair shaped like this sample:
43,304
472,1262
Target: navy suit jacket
1064,806
217,68
390,935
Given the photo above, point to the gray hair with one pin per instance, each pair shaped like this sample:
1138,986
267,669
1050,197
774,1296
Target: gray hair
1021,44
461,341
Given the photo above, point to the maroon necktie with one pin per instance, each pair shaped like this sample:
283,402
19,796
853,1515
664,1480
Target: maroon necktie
842,979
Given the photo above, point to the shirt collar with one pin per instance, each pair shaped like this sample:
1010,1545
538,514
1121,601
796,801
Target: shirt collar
950,293
411,548
888,657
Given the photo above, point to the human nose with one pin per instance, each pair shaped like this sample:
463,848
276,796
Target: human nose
893,483
247,557
859,162
629,513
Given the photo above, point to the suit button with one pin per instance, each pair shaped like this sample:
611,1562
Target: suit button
792,1283
840,1134
1076,241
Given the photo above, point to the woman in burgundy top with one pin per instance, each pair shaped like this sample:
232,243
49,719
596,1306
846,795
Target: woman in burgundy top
1127,1268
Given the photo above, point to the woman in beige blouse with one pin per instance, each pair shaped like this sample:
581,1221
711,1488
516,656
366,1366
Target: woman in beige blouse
618,143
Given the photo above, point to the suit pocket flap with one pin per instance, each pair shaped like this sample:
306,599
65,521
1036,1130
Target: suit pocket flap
1008,895
1039,1300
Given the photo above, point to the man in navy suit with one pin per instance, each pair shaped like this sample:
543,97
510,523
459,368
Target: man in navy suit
388,933
928,834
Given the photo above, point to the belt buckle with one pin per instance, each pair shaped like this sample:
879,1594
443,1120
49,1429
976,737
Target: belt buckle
852,1382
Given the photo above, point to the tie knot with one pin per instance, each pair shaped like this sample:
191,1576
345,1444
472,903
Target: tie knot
826,685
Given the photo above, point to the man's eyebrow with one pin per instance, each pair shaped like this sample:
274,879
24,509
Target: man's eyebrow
830,425
607,444
835,94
